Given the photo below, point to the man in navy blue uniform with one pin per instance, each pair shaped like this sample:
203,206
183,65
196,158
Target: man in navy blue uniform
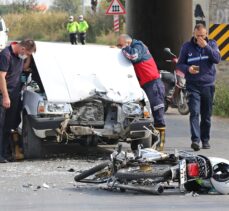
148,76
11,66
197,60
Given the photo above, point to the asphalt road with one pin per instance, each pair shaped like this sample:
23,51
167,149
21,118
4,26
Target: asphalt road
48,184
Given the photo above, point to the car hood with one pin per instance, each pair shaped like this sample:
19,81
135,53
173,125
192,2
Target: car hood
71,73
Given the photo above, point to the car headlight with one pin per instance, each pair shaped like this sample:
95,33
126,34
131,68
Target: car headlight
132,109
45,107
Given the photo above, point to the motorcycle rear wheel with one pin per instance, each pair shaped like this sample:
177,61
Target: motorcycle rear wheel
183,108
91,171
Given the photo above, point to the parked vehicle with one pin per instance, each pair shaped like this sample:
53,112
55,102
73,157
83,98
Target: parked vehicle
175,89
3,34
84,94
154,172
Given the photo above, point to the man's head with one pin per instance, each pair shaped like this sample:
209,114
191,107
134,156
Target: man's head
200,31
71,18
124,40
26,48
81,18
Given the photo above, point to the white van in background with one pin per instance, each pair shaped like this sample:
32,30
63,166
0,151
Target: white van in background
3,34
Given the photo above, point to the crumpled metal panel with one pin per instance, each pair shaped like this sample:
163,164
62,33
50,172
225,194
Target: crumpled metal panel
72,73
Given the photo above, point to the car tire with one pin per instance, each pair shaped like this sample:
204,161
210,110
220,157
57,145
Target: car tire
32,145
145,142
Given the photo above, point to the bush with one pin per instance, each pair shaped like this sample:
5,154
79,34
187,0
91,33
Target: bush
51,26
221,107
107,39
38,26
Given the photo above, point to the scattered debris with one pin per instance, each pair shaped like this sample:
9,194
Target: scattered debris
45,186
71,170
27,185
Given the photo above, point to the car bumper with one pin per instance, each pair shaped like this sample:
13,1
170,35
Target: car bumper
137,128
43,123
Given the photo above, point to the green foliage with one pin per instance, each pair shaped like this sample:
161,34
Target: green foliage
221,102
51,26
69,6
48,26
98,24
107,39
18,6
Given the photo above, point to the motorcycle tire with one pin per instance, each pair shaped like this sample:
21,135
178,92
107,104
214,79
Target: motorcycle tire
166,104
91,171
183,108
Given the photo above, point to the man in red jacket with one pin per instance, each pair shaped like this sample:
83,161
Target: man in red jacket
147,74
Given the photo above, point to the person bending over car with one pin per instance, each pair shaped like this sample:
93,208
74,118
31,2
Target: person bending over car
11,66
148,77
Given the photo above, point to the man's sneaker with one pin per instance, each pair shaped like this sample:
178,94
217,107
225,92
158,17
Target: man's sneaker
3,160
206,145
195,146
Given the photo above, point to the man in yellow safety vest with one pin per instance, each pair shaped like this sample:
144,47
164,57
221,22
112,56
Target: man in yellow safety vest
72,28
83,27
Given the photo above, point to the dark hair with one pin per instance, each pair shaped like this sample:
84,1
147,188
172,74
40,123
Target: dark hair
29,45
199,26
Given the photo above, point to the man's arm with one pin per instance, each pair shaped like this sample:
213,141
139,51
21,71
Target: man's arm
132,54
4,91
182,61
85,26
27,63
213,52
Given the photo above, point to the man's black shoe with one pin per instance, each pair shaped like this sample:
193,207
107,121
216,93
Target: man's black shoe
3,160
195,146
206,145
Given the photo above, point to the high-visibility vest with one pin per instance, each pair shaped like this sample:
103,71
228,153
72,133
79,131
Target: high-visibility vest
72,27
83,26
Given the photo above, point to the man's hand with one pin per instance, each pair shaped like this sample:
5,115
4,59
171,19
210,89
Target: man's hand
192,70
201,42
6,102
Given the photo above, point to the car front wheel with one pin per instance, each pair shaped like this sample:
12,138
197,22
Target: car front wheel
32,145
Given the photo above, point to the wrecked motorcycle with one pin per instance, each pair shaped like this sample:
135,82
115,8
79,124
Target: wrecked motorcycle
175,87
153,172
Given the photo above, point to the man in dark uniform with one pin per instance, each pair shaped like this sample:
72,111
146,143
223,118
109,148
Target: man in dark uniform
197,60
11,66
148,76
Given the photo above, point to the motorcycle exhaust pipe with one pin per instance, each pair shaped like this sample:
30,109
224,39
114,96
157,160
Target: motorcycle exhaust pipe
156,190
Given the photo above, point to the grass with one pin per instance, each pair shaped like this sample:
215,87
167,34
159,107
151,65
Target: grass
51,26
39,26
221,103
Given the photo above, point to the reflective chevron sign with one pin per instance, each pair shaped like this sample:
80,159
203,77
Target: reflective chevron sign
220,33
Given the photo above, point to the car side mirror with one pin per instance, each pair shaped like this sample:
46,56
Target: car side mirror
7,30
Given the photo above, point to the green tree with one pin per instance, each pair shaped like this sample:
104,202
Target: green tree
18,6
69,6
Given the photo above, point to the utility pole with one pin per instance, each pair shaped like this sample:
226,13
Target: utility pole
83,7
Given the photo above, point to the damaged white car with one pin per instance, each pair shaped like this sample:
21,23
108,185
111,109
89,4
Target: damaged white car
86,94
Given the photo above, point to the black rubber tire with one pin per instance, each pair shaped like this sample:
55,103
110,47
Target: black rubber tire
130,175
89,141
183,109
145,142
32,145
91,171
166,106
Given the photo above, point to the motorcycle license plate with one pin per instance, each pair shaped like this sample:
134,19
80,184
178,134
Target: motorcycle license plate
183,174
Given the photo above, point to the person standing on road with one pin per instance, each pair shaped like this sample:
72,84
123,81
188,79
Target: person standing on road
197,60
148,76
11,67
72,28
83,27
